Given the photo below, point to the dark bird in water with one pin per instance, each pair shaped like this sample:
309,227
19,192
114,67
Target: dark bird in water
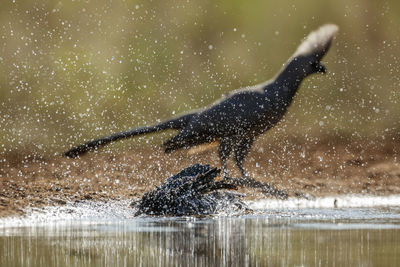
193,191
240,116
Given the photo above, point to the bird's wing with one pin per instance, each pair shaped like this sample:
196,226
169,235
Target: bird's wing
232,115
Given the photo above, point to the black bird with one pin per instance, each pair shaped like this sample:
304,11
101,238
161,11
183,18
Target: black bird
242,115
193,191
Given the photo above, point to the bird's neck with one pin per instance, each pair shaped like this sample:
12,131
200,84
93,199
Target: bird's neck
288,80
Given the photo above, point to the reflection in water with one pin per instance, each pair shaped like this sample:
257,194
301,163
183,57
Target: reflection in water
223,241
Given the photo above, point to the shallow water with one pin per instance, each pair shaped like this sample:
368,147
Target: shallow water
106,234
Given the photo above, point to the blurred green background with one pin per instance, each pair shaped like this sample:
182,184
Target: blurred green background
74,70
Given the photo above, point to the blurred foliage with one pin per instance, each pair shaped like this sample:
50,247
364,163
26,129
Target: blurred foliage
74,70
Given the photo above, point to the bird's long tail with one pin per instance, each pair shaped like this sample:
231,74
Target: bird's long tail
176,123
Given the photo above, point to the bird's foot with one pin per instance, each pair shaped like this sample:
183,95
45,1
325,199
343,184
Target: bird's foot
228,180
250,182
269,190
304,196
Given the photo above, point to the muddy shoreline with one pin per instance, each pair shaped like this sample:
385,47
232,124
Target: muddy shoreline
317,169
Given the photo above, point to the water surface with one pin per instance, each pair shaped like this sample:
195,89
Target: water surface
285,236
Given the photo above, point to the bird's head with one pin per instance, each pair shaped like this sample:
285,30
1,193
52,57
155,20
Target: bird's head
309,54
304,66
318,67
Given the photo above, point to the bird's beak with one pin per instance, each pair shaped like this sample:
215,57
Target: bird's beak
321,68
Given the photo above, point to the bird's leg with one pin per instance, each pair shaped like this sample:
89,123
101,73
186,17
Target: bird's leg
241,151
224,150
224,168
